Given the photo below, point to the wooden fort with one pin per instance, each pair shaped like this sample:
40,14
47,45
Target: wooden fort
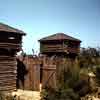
10,44
41,69
44,69
59,44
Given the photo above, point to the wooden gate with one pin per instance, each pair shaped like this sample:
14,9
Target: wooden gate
48,75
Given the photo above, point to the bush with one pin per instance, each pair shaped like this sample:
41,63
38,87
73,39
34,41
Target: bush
98,75
60,94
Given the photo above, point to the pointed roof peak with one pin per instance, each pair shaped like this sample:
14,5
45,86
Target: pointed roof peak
59,36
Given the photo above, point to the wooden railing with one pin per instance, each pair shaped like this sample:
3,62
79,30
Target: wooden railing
59,48
51,48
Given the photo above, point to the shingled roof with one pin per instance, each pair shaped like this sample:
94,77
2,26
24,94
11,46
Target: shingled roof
59,36
7,28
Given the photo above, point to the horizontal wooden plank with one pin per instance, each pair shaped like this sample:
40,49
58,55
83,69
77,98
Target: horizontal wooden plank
8,75
49,68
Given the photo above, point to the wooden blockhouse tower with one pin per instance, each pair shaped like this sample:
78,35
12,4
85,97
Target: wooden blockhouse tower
60,44
10,44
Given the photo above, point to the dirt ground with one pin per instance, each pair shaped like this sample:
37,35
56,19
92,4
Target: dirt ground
27,95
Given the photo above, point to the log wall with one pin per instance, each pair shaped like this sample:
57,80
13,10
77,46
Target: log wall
8,64
7,73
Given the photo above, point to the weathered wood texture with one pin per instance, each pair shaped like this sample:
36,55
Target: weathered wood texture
40,71
10,43
32,79
7,73
48,72
45,48
49,76
59,43
44,70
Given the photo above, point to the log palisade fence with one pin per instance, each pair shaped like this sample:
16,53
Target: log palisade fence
41,70
10,43
32,78
45,70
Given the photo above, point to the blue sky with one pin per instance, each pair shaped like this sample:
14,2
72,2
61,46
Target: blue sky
39,18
